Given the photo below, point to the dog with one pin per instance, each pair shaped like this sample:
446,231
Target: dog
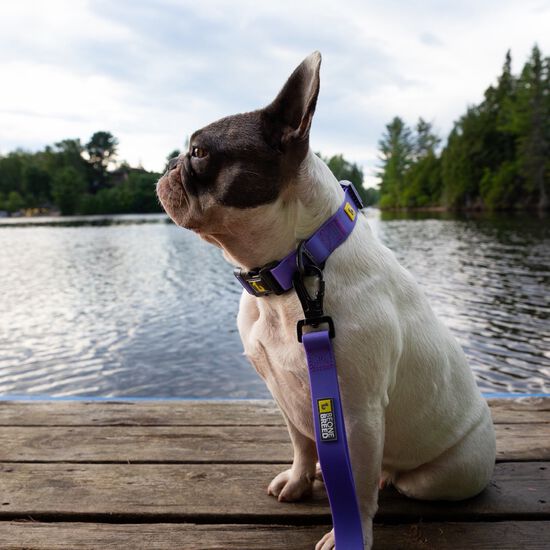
414,417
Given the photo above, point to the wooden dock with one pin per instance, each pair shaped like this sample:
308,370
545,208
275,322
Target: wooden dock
193,475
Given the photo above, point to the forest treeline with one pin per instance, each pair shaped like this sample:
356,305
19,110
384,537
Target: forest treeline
75,178
497,155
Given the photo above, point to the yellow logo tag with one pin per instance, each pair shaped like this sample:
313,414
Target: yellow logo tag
349,210
257,286
325,405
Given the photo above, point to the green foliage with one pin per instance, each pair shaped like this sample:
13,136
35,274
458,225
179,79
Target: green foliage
101,150
14,202
36,183
135,195
410,171
61,177
501,188
370,195
67,188
497,154
11,169
423,183
396,152
350,171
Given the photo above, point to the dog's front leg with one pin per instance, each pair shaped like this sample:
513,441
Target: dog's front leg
365,434
296,482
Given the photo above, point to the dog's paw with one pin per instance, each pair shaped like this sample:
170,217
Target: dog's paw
288,486
319,473
327,542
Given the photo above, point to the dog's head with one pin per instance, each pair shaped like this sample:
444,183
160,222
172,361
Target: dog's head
244,161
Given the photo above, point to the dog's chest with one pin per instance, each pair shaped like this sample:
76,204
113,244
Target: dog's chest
269,340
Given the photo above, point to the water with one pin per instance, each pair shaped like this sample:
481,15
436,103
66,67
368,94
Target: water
132,306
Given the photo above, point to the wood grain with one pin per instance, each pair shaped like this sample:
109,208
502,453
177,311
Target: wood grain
206,413
196,492
206,444
193,475
140,413
166,444
528,535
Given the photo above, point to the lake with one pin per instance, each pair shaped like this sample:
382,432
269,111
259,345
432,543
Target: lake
133,306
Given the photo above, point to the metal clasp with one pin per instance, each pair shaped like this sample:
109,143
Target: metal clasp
312,305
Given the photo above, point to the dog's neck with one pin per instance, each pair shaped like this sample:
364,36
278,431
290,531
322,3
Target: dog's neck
277,228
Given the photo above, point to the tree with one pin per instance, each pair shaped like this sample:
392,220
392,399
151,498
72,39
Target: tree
529,120
396,153
346,170
36,184
11,167
425,140
422,179
14,202
67,188
101,150
371,196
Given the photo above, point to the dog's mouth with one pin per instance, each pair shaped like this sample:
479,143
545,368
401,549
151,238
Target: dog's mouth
173,194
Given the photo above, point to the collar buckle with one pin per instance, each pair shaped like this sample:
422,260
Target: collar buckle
348,186
259,281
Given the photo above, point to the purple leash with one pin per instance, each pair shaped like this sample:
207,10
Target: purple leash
330,433
332,446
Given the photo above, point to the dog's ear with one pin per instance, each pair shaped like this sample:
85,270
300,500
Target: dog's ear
288,117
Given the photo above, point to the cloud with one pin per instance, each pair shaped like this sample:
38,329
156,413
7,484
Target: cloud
153,72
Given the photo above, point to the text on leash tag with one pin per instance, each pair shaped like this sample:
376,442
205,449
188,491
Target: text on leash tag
327,420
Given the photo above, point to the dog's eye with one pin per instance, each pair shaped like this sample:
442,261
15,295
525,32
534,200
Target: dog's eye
198,152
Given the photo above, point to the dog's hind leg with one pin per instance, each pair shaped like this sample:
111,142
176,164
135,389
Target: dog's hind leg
297,481
461,472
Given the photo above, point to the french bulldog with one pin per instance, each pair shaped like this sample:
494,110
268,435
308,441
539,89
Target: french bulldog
251,185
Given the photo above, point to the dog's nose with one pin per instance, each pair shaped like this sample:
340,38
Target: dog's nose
172,163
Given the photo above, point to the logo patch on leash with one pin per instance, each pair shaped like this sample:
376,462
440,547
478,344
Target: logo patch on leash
327,420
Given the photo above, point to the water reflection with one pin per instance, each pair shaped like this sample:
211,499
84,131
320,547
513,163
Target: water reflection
134,306
488,278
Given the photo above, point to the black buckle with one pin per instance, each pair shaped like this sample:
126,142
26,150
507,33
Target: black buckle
260,281
354,194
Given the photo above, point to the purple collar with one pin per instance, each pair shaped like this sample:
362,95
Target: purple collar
276,277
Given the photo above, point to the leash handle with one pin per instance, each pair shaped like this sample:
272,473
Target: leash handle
330,436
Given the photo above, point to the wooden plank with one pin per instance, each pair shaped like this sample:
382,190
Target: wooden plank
521,410
194,492
140,413
528,535
523,441
225,444
205,413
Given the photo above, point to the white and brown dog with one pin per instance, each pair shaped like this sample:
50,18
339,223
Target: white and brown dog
414,417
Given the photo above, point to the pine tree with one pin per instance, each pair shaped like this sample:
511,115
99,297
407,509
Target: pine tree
396,153
102,150
425,141
529,120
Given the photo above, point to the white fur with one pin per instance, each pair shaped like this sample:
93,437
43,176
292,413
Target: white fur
412,410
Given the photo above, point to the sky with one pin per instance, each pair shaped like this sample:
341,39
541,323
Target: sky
152,72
